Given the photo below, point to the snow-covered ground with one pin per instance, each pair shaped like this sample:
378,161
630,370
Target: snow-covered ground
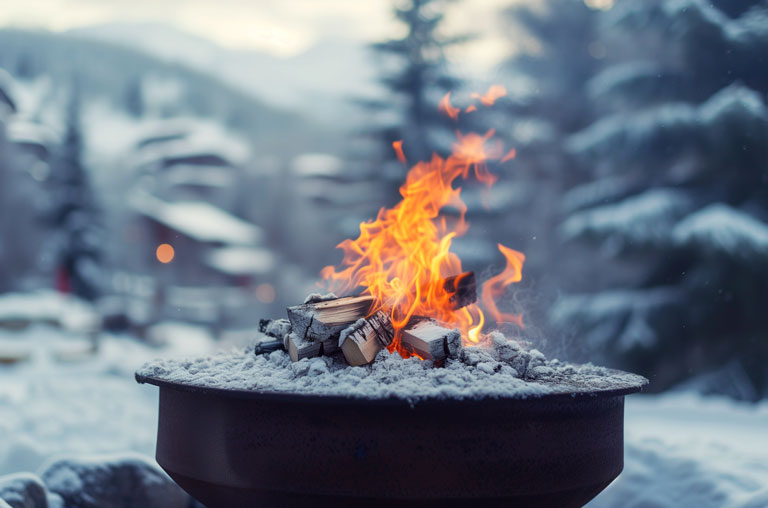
682,450
84,405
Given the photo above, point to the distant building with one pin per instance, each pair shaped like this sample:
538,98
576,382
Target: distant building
212,253
190,160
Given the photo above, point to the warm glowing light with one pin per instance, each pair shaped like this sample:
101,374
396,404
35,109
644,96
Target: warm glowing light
510,155
402,256
398,146
446,107
490,97
495,286
470,108
165,253
265,293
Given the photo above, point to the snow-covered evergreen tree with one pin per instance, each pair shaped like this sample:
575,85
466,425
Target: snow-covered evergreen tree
75,213
415,72
676,282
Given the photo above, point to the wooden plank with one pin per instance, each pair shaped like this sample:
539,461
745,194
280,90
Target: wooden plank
362,341
431,341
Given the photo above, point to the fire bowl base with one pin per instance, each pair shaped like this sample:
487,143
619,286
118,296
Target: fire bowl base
231,449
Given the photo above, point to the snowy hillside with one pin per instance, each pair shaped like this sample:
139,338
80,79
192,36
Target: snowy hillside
318,81
141,84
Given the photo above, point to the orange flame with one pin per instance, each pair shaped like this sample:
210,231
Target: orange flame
494,93
510,155
403,256
446,107
470,108
398,146
495,286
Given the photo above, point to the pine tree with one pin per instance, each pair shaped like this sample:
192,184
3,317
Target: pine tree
675,217
75,214
417,82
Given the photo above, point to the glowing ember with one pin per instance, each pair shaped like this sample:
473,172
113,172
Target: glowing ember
402,257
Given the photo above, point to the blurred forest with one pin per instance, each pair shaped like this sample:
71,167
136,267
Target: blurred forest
639,193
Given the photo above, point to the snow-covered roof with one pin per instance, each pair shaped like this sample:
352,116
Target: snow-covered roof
198,220
24,131
317,165
208,176
47,306
186,139
241,260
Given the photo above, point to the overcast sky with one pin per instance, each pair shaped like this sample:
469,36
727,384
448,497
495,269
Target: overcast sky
281,27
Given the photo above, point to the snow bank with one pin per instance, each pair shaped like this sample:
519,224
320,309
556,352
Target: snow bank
91,406
502,371
687,450
129,481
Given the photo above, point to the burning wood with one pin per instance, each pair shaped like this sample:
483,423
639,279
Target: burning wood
365,338
318,321
314,328
463,289
431,341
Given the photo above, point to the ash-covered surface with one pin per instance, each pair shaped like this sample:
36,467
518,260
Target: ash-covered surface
503,370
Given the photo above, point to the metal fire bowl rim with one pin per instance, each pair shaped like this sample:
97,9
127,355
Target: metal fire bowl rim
567,391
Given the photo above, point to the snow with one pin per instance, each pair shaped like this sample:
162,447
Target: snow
478,372
317,165
198,220
49,306
131,480
681,449
613,318
645,218
189,137
686,450
241,260
50,407
721,228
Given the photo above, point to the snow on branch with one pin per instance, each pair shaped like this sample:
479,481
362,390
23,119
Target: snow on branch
665,133
722,229
643,219
619,318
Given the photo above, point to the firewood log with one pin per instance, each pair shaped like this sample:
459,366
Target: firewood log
431,341
364,339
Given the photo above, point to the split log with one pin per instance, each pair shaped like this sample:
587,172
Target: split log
431,341
323,321
364,339
299,348
463,289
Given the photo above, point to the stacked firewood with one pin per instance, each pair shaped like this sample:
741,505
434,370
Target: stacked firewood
327,325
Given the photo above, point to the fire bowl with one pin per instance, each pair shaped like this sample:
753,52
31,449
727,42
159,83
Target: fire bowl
234,448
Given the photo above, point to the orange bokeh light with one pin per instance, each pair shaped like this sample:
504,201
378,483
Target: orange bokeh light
265,293
165,253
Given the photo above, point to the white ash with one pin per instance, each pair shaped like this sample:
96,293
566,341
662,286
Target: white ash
317,297
346,332
478,372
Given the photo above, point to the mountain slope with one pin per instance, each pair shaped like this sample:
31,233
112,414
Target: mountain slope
109,71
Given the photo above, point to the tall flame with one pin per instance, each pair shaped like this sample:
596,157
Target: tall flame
403,256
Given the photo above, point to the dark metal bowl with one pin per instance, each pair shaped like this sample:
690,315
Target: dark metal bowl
233,449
